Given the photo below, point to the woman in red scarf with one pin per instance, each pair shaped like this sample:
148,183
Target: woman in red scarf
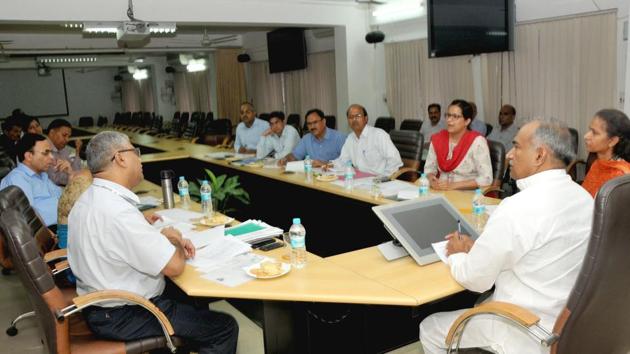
458,157
609,137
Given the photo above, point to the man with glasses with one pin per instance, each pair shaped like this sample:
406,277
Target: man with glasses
370,149
322,145
508,129
249,130
279,140
66,159
35,156
112,246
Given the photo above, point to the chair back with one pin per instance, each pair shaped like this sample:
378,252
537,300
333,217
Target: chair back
294,120
409,144
489,128
209,117
386,123
102,121
497,160
411,124
575,139
331,122
86,121
117,118
595,319
264,116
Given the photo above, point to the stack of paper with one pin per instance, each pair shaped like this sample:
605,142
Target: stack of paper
252,231
392,188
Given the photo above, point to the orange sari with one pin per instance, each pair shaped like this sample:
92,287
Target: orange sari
603,171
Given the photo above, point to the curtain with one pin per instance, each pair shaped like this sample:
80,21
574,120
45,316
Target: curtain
137,96
313,87
192,91
230,84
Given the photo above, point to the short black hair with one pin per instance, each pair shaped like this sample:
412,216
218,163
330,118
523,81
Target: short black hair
435,105
317,111
58,123
277,114
26,121
11,122
26,144
356,105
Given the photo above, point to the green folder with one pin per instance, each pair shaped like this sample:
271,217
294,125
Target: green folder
243,229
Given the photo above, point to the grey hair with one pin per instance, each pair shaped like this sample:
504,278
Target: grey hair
556,136
102,147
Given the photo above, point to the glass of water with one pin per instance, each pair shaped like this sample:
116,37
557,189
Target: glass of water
287,247
376,188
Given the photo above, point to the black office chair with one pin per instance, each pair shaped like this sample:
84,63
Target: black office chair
101,122
117,118
497,159
209,117
86,121
331,122
264,116
386,123
575,139
595,317
489,128
409,144
411,124
218,132
294,120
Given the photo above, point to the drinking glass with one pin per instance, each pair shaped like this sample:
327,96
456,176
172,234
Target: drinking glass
287,247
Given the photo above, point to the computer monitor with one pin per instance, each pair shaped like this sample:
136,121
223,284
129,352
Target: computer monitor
418,223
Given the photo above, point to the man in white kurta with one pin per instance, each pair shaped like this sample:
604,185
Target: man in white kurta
531,249
370,149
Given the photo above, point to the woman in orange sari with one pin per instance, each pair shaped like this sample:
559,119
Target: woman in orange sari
609,138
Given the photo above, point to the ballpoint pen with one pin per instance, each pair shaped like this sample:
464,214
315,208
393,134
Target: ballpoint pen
459,230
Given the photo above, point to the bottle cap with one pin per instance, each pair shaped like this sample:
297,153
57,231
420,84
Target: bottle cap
205,181
181,178
423,175
478,191
297,221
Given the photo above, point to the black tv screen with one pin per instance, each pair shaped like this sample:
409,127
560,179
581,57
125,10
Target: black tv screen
460,27
287,49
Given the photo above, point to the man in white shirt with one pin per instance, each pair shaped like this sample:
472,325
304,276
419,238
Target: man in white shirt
531,249
112,246
508,129
370,149
434,124
279,140
249,130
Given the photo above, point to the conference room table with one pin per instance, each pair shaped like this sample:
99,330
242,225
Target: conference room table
353,298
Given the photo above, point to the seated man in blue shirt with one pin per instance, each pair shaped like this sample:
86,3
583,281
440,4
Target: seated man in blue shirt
249,130
322,145
35,156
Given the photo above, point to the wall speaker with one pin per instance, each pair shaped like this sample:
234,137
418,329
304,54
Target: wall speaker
169,69
243,58
375,37
118,78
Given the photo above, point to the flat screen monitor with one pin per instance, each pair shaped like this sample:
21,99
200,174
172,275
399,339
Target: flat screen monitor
418,223
286,48
460,27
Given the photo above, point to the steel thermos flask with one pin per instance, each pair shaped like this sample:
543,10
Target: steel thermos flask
167,188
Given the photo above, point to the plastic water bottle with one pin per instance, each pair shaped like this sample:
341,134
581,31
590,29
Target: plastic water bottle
297,235
308,168
478,210
348,176
184,195
206,199
423,191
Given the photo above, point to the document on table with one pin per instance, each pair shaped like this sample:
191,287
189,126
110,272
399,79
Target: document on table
203,238
295,166
231,273
177,215
392,188
440,250
359,183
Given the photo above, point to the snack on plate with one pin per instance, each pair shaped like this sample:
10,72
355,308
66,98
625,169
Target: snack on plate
267,269
326,178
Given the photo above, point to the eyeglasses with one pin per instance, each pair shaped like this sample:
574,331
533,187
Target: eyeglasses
136,150
453,116
310,124
355,116
47,152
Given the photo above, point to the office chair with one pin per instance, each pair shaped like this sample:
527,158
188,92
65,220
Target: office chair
411,124
294,120
55,314
86,121
331,122
595,318
409,144
386,123
489,129
264,116
497,160
102,121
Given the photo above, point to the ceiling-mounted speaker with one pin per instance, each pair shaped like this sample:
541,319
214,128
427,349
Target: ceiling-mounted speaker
243,58
169,69
118,78
375,37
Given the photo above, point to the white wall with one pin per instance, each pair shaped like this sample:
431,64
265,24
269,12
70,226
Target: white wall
89,93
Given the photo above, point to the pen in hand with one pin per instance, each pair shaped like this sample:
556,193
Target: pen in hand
459,230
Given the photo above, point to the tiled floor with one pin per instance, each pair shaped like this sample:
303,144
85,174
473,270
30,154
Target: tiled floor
13,301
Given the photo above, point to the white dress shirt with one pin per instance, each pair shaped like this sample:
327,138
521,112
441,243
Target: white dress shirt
532,250
112,246
281,145
505,137
372,152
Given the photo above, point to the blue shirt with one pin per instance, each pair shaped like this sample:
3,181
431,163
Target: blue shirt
249,137
479,126
41,192
326,149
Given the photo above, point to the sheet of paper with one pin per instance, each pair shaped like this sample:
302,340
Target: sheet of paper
218,251
440,250
150,200
177,214
490,209
220,155
231,273
408,194
359,183
202,238
392,188
295,166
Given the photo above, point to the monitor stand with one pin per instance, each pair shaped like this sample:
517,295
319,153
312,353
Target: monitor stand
392,252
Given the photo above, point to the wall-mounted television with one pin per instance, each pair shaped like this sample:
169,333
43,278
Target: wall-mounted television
461,27
286,48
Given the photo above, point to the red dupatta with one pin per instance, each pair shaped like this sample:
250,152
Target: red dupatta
440,145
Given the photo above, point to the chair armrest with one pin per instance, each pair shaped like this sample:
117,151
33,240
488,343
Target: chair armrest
60,267
55,255
402,171
491,189
512,312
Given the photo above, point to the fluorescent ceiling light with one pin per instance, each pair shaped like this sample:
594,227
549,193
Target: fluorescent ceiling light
100,27
67,59
141,74
195,65
398,10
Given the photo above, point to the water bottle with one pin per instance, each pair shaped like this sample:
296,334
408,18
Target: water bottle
184,195
167,189
348,176
308,168
297,235
206,199
423,191
478,210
